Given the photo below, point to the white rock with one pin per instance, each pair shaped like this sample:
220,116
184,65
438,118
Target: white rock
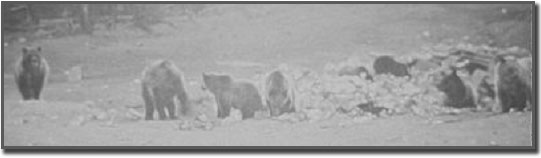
79,121
74,74
135,114
202,118
21,40
426,33
185,125
329,68
261,114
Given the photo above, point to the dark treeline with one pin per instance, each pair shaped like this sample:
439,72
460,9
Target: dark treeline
83,18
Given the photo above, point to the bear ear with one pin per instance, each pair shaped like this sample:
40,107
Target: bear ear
39,49
25,50
166,63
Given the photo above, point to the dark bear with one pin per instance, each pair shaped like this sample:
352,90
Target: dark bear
459,95
513,85
162,81
228,93
279,94
31,71
387,65
355,71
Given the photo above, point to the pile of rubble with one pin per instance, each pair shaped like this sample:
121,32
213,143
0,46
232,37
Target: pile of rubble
355,95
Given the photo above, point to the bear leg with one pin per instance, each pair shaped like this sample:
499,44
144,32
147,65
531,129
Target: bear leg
35,93
24,89
505,102
39,87
160,107
26,94
149,103
225,111
170,105
149,112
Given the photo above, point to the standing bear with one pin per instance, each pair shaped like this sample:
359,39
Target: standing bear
279,94
458,94
31,71
162,82
513,85
228,93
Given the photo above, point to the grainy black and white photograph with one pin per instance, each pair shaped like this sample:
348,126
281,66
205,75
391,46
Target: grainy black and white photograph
261,74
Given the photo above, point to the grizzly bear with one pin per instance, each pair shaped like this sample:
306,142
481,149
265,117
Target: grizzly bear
458,94
161,83
513,85
228,94
387,65
31,71
279,94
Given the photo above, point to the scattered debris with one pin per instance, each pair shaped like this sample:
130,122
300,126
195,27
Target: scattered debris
79,121
21,40
200,122
261,114
136,81
370,108
74,74
110,122
133,114
24,121
292,117
426,33
318,114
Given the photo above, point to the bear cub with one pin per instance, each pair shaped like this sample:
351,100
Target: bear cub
228,94
458,94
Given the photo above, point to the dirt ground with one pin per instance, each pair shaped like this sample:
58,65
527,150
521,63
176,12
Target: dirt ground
245,40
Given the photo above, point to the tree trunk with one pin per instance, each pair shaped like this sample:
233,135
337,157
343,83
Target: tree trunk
32,15
86,24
